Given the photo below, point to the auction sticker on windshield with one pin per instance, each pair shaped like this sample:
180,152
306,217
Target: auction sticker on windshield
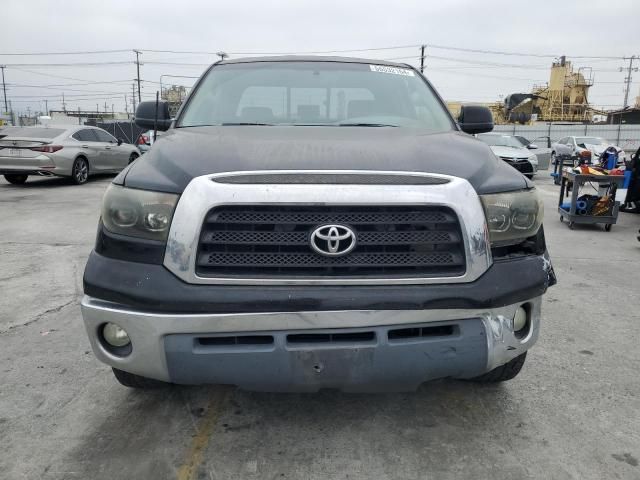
394,70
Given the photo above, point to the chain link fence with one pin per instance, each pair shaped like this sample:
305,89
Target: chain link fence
626,137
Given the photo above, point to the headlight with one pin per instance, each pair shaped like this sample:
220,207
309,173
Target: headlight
512,217
138,213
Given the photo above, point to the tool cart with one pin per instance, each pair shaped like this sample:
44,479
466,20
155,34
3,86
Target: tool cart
589,208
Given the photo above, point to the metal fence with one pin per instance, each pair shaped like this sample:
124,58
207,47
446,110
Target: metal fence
626,137
126,130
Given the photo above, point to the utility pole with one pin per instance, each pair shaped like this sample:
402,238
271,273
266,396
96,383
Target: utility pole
138,78
64,105
133,97
627,79
46,107
126,105
4,89
422,58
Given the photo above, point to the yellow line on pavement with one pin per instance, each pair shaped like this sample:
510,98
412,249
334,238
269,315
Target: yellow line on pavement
189,469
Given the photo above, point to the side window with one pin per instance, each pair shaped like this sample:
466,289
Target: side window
85,135
104,136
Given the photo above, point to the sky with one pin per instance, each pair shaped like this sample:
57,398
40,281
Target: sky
535,32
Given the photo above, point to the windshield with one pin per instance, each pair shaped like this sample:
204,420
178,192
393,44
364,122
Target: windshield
590,140
500,141
314,93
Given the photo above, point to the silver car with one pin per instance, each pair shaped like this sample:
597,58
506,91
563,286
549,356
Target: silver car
75,152
510,149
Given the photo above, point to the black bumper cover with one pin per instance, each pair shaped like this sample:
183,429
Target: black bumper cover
153,288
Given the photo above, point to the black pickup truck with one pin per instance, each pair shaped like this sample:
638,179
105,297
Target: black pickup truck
316,222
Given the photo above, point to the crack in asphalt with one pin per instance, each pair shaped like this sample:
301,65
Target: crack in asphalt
40,316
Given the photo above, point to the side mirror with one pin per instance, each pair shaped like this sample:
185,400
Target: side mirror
119,141
475,119
146,115
532,146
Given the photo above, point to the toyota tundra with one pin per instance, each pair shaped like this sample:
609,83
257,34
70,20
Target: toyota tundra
316,222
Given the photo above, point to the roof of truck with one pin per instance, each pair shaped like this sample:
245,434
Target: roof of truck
314,58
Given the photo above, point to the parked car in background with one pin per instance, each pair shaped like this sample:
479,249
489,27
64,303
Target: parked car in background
587,149
542,147
145,140
511,150
64,151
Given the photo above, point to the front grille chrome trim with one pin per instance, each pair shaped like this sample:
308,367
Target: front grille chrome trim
204,193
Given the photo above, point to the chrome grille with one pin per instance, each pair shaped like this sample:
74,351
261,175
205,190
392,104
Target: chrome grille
273,241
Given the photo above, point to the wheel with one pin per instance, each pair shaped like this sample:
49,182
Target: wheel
561,219
504,372
136,381
607,227
571,225
529,176
133,157
16,179
80,171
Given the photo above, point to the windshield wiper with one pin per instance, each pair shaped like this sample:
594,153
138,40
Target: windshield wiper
366,125
235,124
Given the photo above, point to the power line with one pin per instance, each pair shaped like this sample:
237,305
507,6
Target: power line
94,52
284,53
50,75
318,52
73,64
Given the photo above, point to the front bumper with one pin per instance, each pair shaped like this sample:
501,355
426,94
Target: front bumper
382,349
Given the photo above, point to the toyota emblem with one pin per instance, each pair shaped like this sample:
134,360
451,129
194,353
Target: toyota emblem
333,240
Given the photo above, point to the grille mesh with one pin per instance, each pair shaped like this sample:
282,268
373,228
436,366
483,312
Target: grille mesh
274,241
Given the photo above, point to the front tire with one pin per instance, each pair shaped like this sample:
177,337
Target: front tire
16,179
132,380
80,171
132,157
504,372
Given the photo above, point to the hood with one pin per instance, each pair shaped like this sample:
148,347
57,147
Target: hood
184,153
511,152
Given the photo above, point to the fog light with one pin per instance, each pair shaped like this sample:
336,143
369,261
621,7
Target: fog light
115,335
520,319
